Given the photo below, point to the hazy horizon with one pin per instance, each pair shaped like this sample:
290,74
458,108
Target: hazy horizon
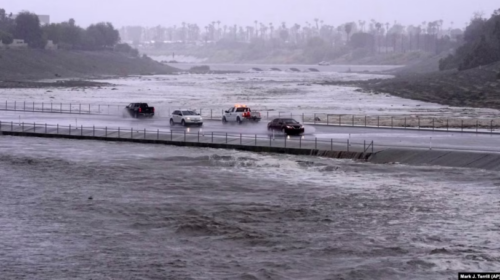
245,12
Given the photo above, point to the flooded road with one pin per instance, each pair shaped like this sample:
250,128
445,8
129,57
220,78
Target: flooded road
95,210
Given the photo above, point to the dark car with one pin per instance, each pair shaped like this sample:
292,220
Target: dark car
286,125
137,110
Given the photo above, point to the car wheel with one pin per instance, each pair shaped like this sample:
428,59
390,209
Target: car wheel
183,123
171,122
239,120
224,120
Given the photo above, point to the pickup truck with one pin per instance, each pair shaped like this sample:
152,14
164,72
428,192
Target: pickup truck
240,114
137,110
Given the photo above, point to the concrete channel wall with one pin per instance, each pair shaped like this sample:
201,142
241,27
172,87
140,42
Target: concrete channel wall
325,149
236,142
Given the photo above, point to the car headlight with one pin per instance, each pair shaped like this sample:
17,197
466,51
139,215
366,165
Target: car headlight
188,119
289,127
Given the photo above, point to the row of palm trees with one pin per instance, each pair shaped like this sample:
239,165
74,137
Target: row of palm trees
384,34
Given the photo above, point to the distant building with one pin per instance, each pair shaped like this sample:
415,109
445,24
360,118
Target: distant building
51,46
18,44
44,19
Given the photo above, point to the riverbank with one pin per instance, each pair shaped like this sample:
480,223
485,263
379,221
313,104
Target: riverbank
478,87
32,64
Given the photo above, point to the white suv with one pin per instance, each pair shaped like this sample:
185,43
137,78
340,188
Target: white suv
185,117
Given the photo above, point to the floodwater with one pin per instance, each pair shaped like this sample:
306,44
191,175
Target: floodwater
162,212
285,92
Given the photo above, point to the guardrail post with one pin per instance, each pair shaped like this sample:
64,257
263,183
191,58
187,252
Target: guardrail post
11,126
131,133
70,108
302,117
340,120
93,130
378,121
365,120
89,109
45,128
352,120
315,143
171,136
285,140
118,132
211,115
22,127
57,131
226,137
347,145
14,105
270,143
34,128
81,130
432,124
315,118
60,109
327,119
184,135
372,147
392,122
158,134
364,146
212,136
331,144
144,133
106,132
405,122
69,129
108,109
446,124
418,122
255,139
199,134
42,107
79,108
240,140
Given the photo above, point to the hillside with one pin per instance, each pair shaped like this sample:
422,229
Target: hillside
477,87
30,64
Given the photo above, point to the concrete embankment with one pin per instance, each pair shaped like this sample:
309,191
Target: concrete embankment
191,142
437,158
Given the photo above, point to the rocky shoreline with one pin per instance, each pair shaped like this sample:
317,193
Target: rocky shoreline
479,87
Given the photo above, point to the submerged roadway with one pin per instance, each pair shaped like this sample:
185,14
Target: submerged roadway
382,137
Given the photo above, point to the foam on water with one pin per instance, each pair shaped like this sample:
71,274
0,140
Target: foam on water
194,213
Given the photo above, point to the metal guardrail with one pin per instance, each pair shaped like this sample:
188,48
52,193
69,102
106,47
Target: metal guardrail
298,142
394,122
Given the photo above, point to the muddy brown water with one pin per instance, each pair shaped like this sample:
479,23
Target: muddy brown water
93,210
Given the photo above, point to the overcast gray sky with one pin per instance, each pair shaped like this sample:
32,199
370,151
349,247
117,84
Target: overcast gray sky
245,12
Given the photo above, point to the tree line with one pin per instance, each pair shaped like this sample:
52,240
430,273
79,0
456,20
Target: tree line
67,35
374,36
481,44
